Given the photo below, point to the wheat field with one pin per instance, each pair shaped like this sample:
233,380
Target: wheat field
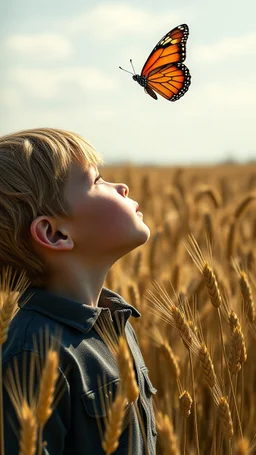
194,284
216,366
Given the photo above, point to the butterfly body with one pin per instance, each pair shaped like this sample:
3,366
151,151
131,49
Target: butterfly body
142,80
164,71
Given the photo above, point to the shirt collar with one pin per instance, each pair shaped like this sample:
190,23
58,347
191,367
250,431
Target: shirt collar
72,313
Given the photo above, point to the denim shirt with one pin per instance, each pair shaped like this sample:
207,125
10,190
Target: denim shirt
72,428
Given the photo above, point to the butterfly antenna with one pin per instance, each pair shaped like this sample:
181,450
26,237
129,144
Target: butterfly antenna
132,66
125,70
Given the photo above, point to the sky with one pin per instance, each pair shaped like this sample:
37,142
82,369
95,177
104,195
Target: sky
59,68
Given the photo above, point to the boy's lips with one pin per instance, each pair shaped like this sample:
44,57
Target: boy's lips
137,209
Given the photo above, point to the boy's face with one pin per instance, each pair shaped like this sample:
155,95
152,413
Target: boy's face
105,222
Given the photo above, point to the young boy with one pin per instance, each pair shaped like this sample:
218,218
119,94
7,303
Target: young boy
66,226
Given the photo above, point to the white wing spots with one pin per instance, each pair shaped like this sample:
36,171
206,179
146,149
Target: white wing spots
186,85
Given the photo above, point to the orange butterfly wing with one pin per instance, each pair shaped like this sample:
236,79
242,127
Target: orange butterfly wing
164,70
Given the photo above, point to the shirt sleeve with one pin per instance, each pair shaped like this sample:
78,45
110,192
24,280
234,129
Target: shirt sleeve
56,427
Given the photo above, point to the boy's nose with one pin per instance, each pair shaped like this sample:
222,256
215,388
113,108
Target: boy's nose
123,189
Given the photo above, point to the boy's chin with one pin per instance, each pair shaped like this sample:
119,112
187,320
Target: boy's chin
147,235
144,236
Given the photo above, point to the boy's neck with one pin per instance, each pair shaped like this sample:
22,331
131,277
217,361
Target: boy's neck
84,287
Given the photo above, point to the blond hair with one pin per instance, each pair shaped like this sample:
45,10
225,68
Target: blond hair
34,167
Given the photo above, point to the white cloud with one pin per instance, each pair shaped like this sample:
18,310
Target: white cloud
234,95
10,97
112,20
50,84
237,46
44,46
220,105
229,94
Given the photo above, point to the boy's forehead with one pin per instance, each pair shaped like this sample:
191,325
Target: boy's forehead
79,174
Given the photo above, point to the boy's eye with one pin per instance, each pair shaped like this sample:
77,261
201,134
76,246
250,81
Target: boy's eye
98,178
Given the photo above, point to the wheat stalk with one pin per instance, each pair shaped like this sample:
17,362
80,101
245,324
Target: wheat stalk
46,392
231,239
185,407
232,229
187,335
167,356
243,205
211,193
234,323
113,430
170,359
208,226
242,447
247,296
8,308
128,381
206,270
243,356
207,365
226,418
246,292
233,320
212,285
104,327
213,290
185,403
167,435
153,252
126,371
11,288
137,265
237,343
28,430
175,277
47,387
182,325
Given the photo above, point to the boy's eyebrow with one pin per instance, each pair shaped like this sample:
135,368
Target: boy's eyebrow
86,173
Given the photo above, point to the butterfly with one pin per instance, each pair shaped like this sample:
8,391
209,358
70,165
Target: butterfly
164,71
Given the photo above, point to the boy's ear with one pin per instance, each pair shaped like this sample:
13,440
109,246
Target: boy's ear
46,233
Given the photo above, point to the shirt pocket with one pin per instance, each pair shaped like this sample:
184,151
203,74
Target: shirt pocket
149,391
96,401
